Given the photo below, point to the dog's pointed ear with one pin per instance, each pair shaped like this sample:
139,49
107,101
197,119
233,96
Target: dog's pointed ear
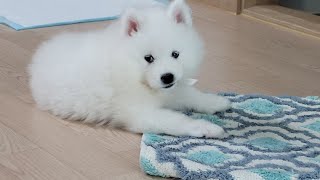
130,22
180,12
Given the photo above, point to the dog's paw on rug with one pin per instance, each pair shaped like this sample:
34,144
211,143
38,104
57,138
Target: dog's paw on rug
267,138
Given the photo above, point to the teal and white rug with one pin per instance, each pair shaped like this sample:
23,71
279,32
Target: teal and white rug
267,138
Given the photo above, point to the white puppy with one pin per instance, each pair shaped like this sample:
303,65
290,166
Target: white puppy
131,74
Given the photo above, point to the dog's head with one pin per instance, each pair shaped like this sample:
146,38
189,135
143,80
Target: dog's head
163,42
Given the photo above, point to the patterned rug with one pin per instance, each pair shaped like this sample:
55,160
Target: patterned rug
267,138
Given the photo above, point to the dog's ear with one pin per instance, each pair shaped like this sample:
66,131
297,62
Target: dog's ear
130,22
180,12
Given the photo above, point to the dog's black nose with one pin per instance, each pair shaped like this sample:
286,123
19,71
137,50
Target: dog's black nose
167,78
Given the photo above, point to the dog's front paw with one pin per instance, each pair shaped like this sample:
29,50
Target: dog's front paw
214,104
203,128
222,104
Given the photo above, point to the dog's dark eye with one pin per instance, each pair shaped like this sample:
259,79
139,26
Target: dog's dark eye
175,54
149,58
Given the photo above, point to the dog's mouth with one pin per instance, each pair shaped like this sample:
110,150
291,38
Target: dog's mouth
169,85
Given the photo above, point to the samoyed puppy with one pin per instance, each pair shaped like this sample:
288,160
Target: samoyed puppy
132,74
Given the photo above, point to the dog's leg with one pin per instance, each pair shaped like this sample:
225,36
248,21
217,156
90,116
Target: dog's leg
191,98
143,119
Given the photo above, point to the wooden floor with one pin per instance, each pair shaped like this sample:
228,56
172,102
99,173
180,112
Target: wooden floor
244,56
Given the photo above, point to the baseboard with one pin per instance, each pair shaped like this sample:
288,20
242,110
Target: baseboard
250,3
229,5
289,18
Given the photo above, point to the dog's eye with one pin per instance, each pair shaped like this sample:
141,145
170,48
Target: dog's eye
149,58
175,54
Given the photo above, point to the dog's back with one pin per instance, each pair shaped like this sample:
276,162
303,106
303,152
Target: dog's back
68,77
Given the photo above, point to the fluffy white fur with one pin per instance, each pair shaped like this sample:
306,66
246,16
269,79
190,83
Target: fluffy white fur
103,76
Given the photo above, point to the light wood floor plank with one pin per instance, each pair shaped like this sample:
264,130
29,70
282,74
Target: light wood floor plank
82,153
11,142
35,164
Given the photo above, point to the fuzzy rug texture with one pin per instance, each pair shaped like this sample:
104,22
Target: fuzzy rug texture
267,138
